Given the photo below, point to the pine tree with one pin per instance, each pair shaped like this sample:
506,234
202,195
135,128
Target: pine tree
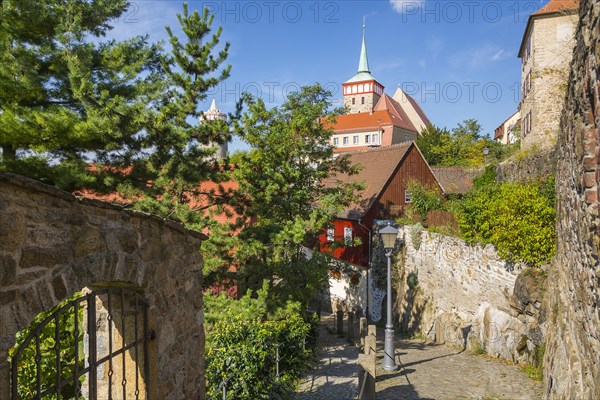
112,116
178,158
66,97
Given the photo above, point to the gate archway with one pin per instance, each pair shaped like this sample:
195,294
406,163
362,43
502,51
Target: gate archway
94,346
53,244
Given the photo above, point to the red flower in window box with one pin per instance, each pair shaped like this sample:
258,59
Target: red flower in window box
336,275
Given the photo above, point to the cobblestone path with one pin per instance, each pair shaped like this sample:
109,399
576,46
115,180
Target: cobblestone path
431,371
428,371
336,377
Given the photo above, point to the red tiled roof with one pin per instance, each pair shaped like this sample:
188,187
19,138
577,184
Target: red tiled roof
196,201
555,6
361,122
354,148
399,117
378,167
452,179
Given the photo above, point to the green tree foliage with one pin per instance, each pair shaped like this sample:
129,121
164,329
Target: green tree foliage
289,177
517,218
176,157
66,97
241,343
462,146
434,143
425,199
71,337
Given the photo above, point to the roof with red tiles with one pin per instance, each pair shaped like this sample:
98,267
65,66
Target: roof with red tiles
452,179
554,7
360,122
378,167
199,201
399,117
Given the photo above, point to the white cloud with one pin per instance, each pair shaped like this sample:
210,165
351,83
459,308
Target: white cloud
402,6
392,64
500,55
477,57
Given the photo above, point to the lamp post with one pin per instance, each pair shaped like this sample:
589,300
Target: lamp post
485,151
388,237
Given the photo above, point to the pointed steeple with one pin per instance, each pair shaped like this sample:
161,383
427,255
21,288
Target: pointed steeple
213,113
213,105
363,73
363,63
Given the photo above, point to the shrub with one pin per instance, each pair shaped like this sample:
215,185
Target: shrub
517,218
241,340
424,199
246,351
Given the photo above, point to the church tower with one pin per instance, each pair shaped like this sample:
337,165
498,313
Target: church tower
214,114
362,91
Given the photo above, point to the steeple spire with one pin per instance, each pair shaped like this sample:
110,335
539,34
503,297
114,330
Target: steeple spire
363,63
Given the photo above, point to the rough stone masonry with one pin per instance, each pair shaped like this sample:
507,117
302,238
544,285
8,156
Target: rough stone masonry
572,359
53,245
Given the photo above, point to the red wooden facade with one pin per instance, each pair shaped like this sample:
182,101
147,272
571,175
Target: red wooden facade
387,203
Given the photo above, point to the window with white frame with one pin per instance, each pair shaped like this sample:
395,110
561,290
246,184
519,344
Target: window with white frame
336,141
330,234
407,196
407,137
348,236
354,139
367,139
346,141
376,138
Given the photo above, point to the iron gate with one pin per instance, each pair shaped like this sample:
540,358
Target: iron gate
92,347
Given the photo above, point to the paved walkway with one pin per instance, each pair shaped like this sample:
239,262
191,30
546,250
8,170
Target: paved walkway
336,376
431,371
428,371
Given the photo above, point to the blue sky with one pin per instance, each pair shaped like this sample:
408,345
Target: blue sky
458,59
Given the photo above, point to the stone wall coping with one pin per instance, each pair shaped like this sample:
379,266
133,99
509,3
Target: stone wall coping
36,186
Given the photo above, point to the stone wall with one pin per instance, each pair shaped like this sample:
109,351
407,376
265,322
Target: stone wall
572,361
53,245
527,165
464,296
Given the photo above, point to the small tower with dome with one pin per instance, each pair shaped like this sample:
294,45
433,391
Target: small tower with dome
214,114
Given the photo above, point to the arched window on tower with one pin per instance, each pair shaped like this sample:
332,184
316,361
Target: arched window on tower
360,88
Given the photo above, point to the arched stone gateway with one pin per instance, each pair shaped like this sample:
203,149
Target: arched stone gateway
53,245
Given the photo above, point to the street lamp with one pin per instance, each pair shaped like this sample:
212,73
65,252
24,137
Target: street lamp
485,151
388,237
